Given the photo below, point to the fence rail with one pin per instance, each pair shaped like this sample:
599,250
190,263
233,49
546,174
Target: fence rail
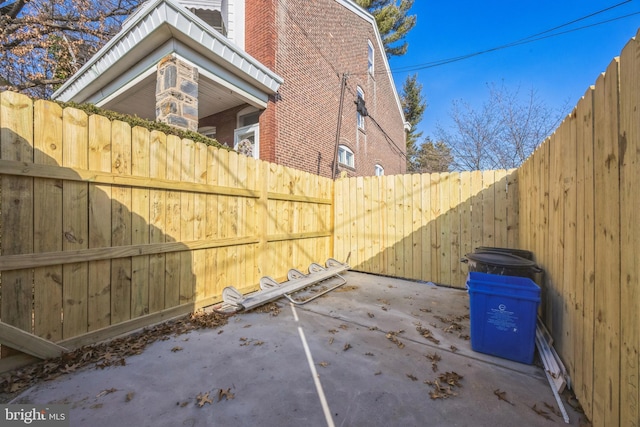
579,203
420,226
107,227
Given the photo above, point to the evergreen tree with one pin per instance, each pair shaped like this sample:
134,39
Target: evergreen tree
433,157
393,22
413,106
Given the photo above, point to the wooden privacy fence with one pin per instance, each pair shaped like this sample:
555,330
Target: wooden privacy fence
579,205
106,228
420,226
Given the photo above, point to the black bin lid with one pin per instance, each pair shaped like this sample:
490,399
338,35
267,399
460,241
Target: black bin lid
500,259
518,252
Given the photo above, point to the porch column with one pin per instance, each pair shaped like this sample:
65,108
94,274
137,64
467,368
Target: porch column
177,93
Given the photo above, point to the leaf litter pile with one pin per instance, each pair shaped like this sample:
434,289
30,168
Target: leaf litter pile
393,337
453,324
112,353
426,333
206,398
444,385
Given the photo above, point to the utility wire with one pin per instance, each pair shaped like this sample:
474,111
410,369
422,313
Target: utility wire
390,140
529,39
576,20
517,43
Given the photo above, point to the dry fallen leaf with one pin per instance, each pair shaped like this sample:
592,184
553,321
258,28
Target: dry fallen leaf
412,377
347,346
502,395
225,394
323,364
129,396
111,353
426,333
70,368
392,336
553,409
272,308
435,358
176,348
202,399
451,379
541,412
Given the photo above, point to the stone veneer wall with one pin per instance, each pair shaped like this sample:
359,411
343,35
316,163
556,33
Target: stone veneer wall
177,94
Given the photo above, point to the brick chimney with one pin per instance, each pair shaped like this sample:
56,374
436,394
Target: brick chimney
177,93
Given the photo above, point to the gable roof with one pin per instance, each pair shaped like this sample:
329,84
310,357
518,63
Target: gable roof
364,14
159,28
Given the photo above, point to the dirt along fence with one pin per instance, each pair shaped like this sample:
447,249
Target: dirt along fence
108,228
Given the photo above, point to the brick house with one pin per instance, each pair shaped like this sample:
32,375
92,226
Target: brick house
295,82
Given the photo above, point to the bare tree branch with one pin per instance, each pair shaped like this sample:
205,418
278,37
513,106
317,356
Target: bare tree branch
502,133
43,42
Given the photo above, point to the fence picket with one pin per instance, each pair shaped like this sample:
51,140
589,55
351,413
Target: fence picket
121,223
172,221
629,235
140,218
16,136
607,244
47,209
157,220
99,305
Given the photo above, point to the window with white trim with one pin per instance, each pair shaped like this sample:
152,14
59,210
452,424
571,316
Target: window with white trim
246,140
345,156
360,116
370,57
248,116
379,170
246,136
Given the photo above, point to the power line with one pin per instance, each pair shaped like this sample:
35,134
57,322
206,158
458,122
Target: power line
529,39
517,43
577,20
389,140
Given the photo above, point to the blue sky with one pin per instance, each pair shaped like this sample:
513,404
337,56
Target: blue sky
559,68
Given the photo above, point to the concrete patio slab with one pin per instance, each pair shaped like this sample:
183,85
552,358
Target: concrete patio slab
357,356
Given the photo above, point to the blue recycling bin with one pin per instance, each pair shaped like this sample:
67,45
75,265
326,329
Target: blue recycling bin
503,314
